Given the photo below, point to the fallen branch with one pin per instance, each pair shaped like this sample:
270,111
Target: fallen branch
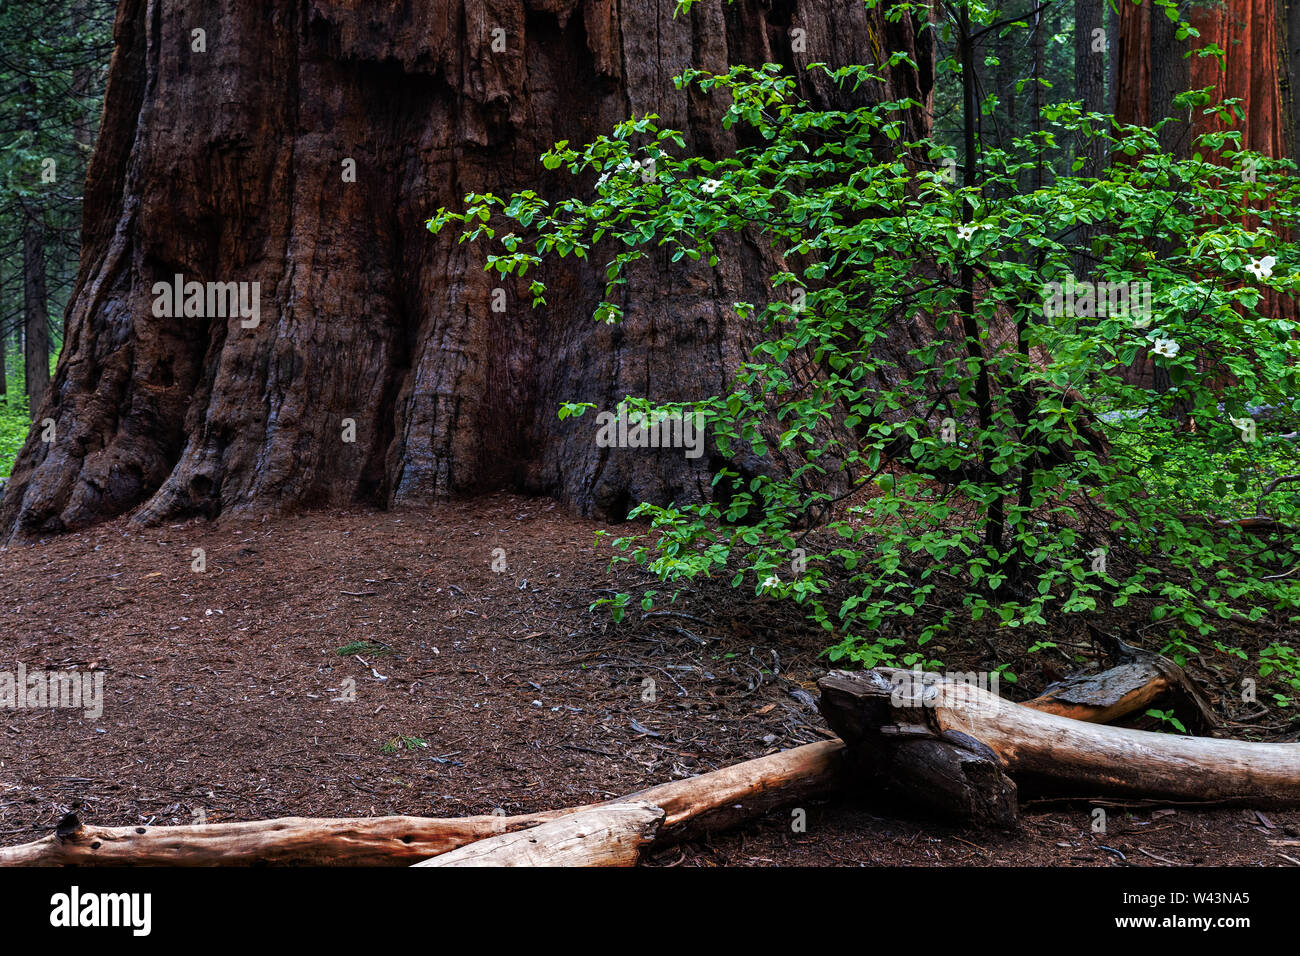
945,744
691,806
303,841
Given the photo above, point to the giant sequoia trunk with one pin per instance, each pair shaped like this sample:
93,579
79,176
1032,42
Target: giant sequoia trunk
226,156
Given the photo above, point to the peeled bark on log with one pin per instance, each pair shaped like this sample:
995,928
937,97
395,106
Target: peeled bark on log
1139,680
1089,758
711,800
1105,697
601,836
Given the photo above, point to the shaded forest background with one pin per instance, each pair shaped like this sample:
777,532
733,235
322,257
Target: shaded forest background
53,67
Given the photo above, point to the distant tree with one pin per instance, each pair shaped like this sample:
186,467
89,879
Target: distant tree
53,62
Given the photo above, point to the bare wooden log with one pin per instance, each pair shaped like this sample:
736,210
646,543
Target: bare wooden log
723,798
1091,758
599,836
304,841
711,800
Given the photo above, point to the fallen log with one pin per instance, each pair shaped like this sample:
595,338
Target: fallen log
723,798
601,836
948,745
872,708
953,776
711,800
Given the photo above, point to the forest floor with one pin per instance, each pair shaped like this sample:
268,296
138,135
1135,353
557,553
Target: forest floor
368,663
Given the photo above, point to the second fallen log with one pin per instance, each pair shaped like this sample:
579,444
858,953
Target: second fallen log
1090,759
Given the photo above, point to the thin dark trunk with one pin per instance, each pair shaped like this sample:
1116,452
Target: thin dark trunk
1112,57
36,353
1090,87
994,525
4,338
1289,72
1169,77
1006,79
1040,95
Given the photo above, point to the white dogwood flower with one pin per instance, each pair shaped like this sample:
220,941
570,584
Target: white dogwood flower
711,186
1166,347
1262,268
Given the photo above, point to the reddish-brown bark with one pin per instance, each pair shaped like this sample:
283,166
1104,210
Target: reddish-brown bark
226,166
1253,70
1248,31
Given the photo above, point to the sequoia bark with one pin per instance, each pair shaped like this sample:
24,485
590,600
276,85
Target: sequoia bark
226,155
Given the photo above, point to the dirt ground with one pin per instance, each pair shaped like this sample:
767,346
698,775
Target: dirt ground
368,663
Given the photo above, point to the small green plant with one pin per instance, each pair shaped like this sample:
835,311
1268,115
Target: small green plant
617,605
1283,661
13,432
1167,717
403,743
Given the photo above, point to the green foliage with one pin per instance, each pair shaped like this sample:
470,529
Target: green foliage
13,432
14,418
617,605
1167,717
1286,662
1007,455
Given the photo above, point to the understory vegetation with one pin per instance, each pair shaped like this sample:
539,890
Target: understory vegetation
14,417
1063,399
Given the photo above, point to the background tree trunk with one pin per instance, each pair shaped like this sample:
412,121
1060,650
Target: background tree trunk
1091,55
1133,63
4,342
36,348
227,164
1169,77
